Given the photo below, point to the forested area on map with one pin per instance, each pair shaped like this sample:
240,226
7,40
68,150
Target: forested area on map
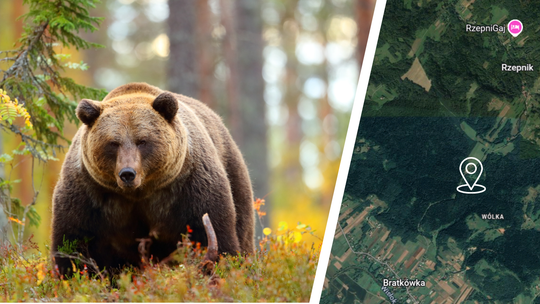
437,94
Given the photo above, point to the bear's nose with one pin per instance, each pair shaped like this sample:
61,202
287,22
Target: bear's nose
127,175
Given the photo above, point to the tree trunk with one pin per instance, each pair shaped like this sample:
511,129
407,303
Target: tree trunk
182,70
243,47
191,68
230,50
364,14
290,32
205,54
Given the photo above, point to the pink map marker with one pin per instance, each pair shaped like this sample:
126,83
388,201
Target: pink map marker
515,27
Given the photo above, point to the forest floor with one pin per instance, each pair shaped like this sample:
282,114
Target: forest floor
281,270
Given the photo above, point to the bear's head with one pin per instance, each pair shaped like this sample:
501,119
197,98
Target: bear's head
132,140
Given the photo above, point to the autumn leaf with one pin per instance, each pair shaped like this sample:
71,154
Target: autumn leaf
16,221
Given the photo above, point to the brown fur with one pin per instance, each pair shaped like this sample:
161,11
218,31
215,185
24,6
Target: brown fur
185,163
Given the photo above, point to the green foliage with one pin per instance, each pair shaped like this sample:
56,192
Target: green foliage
8,114
279,271
68,247
66,18
33,88
18,210
34,77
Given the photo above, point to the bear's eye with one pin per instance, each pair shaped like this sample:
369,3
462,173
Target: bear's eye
114,144
141,143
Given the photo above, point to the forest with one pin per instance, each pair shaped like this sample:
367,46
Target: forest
419,131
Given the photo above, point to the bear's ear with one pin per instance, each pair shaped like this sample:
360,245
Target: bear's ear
166,105
88,111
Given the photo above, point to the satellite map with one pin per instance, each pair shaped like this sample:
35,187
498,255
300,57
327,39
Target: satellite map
442,201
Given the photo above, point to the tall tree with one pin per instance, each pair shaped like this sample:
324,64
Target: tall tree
190,71
248,84
191,67
205,54
34,87
182,70
290,32
364,14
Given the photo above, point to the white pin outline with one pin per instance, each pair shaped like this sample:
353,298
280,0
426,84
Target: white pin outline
475,184
348,148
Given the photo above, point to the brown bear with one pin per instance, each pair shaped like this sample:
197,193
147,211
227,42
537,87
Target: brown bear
148,162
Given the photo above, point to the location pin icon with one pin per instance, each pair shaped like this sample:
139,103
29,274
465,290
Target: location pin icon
515,27
468,168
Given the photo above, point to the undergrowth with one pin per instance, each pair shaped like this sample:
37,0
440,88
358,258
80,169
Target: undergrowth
281,270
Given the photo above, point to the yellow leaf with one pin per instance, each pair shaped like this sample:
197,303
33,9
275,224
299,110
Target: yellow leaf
40,273
297,236
282,226
66,286
267,231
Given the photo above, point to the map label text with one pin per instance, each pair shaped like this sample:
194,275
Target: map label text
485,28
389,295
517,68
490,216
404,283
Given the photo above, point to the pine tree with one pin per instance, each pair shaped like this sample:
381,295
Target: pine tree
33,88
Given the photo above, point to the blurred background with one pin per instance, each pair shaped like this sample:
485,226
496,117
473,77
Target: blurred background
281,73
